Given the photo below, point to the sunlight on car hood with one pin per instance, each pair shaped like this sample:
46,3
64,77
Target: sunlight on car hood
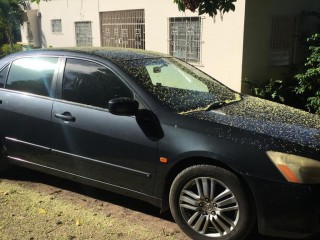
253,107
268,118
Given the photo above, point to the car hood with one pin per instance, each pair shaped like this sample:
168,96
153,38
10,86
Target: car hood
269,118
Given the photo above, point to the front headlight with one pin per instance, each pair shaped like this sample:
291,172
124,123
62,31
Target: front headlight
296,169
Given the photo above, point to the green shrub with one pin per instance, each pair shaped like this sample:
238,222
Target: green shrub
309,81
6,49
279,90
298,90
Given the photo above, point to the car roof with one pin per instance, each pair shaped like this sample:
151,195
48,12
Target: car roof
113,54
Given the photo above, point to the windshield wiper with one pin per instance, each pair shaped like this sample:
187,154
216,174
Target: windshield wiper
216,105
224,103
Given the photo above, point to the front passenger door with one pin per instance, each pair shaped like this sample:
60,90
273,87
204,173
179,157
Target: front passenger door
90,142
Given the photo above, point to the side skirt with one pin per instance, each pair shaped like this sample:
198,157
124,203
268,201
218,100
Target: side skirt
87,181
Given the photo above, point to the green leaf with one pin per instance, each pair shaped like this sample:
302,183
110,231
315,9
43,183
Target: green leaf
210,7
37,1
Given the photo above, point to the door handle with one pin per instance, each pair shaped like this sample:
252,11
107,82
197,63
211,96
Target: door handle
66,116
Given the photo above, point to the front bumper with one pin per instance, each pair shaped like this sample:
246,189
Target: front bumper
286,209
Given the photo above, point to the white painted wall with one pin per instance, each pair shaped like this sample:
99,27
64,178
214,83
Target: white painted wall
223,40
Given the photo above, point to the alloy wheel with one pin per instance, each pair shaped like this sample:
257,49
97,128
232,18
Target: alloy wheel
209,207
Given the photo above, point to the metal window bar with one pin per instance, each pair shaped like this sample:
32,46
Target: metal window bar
283,42
56,26
185,38
124,29
83,32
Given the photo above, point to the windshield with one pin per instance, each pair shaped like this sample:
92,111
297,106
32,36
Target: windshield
178,85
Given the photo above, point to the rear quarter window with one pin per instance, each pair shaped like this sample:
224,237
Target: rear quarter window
3,76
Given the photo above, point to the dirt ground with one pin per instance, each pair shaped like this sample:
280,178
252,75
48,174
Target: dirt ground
36,206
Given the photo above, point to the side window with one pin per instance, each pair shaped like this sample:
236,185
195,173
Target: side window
91,84
32,75
3,75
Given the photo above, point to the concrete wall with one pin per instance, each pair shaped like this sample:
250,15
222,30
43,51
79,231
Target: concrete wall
257,35
222,40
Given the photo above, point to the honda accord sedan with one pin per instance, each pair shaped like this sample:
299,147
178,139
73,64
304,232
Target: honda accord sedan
155,128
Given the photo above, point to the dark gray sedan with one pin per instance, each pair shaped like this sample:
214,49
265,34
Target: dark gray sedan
155,128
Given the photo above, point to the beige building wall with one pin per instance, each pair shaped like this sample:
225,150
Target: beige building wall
257,35
222,39
70,11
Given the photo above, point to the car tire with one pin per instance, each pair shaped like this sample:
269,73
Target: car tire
4,164
209,202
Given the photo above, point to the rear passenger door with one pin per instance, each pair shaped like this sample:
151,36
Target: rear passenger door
26,91
90,142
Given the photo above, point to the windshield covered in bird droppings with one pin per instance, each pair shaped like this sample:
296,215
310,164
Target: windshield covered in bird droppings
178,85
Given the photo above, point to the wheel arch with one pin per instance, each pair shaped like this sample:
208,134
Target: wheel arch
197,160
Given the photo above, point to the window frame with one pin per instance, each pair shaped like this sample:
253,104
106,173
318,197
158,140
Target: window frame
6,76
60,27
283,57
123,28
75,34
55,76
199,42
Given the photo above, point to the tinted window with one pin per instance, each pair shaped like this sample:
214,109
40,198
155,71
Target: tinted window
91,84
3,75
32,75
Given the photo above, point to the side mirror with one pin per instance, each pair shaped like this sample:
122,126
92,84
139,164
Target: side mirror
123,106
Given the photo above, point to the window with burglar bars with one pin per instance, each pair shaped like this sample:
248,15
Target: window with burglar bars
83,33
283,44
56,26
185,34
125,29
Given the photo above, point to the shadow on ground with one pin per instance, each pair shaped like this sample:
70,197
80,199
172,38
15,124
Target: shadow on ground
26,175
